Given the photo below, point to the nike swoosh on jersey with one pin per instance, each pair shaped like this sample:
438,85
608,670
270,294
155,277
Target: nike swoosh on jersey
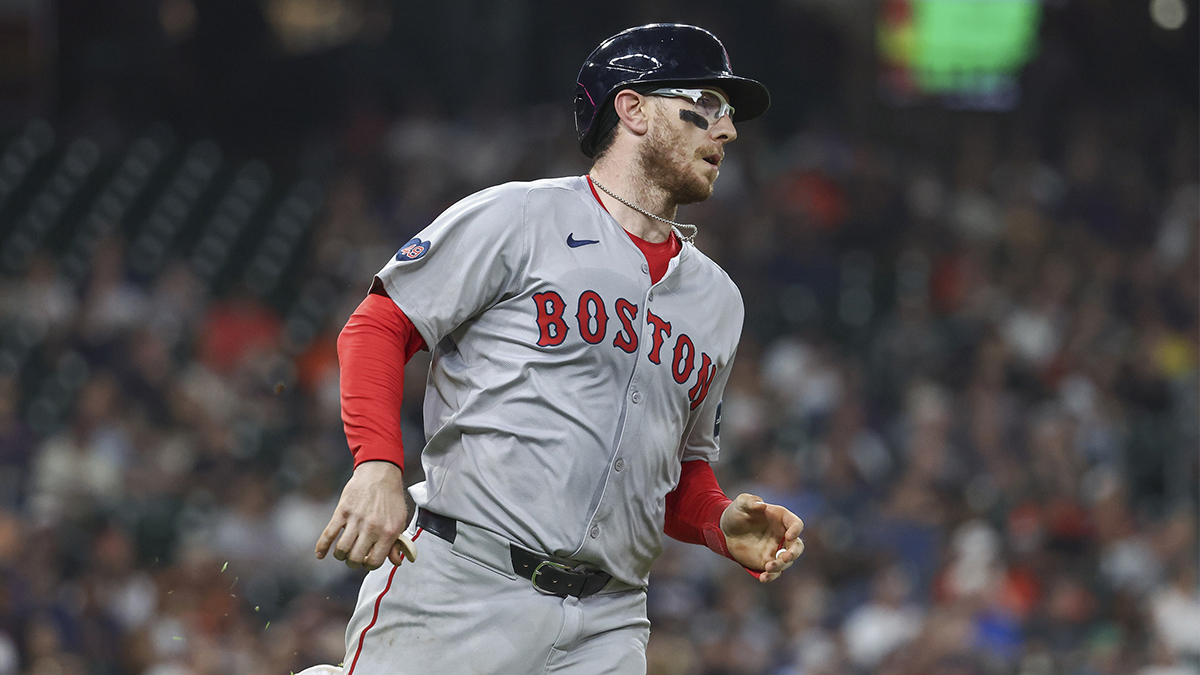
576,243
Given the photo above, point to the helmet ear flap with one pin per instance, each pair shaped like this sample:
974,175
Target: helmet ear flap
585,106
585,117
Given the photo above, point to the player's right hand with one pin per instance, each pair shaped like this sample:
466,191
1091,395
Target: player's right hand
373,514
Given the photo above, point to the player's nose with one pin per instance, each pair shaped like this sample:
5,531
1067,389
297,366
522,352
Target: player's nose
723,130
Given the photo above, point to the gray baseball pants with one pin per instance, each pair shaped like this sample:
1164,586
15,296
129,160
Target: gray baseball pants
460,609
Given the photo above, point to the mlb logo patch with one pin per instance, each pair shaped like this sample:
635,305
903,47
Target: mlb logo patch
413,250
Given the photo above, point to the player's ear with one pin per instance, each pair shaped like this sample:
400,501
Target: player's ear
632,108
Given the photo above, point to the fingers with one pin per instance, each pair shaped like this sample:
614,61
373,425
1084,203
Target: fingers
751,503
785,524
368,546
774,568
787,555
795,549
352,539
369,516
784,558
368,541
341,550
794,525
336,523
791,546
784,520
360,544
378,554
396,555
402,549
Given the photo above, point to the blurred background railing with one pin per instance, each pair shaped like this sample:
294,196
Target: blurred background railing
966,234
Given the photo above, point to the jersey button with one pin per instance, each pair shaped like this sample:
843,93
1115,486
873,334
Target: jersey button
595,532
645,268
619,465
636,397
651,295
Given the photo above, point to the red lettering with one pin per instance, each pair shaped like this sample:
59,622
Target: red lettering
553,329
698,392
627,337
662,330
685,353
591,308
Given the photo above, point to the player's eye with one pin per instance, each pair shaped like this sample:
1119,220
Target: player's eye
709,105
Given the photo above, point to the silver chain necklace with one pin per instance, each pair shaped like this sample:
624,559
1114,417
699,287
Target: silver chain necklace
691,238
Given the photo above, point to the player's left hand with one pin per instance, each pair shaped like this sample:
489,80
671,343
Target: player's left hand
762,536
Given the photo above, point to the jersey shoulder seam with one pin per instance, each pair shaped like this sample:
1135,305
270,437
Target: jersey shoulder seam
561,188
721,279
717,271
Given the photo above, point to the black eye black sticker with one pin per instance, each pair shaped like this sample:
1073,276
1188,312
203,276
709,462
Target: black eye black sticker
694,118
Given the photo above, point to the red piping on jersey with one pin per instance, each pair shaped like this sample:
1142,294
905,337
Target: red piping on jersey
597,195
375,616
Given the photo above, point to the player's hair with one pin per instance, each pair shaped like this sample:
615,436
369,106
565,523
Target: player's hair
605,142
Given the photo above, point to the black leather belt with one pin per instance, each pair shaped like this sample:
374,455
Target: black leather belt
548,576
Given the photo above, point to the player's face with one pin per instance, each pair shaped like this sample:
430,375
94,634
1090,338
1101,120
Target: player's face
680,156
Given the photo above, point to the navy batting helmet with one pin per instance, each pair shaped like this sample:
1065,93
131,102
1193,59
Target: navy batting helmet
658,54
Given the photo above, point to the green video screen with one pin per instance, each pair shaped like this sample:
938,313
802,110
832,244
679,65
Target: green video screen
957,38
953,47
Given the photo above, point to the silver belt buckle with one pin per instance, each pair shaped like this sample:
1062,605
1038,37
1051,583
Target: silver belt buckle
538,570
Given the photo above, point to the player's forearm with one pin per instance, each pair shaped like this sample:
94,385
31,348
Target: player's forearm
694,508
376,343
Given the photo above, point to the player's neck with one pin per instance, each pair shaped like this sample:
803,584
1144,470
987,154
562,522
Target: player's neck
639,191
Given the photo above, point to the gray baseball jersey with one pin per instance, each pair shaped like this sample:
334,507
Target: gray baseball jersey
565,388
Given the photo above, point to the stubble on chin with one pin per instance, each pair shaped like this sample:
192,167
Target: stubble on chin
663,160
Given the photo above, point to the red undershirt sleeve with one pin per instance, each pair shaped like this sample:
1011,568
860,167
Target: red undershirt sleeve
695,506
373,347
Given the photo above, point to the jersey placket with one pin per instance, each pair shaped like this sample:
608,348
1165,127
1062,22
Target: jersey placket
634,396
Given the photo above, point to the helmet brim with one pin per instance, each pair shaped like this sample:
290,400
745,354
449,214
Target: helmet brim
749,98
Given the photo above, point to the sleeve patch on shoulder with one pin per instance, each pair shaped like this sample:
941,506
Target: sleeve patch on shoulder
413,250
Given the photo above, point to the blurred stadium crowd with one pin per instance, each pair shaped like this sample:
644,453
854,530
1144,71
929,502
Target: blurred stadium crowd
970,365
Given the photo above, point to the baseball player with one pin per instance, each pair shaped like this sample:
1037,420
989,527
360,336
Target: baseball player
581,344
